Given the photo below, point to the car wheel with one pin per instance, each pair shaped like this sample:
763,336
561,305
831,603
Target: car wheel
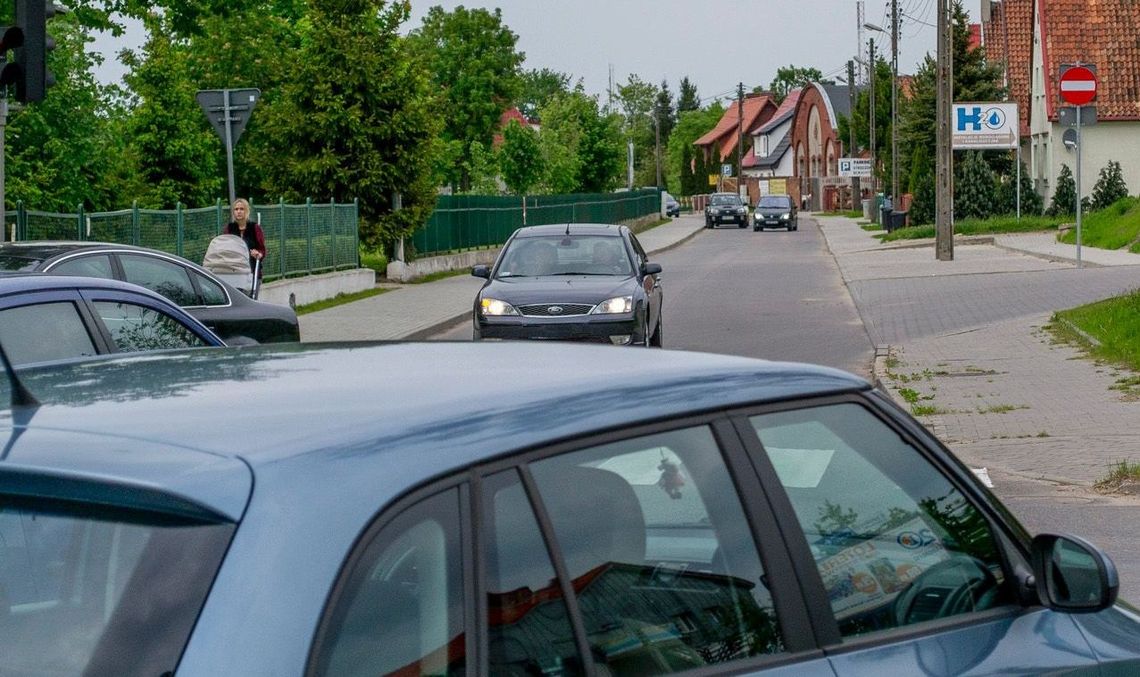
756,228
741,224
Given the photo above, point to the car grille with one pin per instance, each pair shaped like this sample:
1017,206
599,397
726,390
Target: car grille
544,309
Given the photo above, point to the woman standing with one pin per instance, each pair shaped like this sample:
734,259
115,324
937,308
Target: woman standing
250,233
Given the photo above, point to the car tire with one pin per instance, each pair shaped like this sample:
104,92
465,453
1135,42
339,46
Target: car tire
741,224
756,229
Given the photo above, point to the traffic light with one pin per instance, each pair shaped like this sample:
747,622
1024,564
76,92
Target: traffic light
11,37
34,78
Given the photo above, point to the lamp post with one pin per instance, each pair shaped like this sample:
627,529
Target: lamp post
894,96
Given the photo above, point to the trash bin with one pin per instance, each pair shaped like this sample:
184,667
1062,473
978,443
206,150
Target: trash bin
898,220
867,209
885,218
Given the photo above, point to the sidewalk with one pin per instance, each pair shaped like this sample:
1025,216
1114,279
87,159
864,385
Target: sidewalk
414,311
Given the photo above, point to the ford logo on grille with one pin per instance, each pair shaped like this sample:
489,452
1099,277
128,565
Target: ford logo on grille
554,310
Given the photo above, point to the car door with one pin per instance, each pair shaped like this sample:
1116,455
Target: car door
48,325
134,323
651,283
901,555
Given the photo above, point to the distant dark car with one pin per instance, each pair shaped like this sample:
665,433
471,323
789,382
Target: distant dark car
672,207
725,208
228,312
45,318
775,211
579,282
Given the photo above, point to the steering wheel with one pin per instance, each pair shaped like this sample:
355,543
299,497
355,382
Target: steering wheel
954,586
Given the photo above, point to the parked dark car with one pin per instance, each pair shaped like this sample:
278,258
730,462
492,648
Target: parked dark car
228,312
518,509
672,207
725,208
578,282
776,211
45,318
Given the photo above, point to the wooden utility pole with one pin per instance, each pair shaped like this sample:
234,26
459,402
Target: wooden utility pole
871,119
894,104
740,132
657,145
943,177
851,130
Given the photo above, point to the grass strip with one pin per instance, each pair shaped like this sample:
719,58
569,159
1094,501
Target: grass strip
338,300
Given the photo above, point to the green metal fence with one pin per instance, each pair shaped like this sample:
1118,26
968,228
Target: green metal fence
309,238
470,221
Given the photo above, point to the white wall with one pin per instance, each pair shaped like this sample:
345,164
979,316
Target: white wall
1119,141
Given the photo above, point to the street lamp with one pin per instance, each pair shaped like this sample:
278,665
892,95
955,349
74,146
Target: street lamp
894,101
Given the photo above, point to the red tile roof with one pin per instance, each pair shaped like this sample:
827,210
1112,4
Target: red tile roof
787,108
1101,32
1017,34
758,109
975,39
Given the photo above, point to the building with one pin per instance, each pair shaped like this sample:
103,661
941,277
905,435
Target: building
719,144
769,156
1033,38
816,146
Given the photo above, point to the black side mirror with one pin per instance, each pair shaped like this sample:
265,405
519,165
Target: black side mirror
650,268
481,270
1072,574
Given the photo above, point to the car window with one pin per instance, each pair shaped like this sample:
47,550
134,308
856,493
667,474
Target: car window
15,262
528,630
726,200
401,612
894,541
775,202
88,593
94,265
641,255
212,292
135,328
655,541
45,331
566,255
165,277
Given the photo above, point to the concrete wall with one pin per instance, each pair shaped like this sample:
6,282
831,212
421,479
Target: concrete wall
1104,141
297,291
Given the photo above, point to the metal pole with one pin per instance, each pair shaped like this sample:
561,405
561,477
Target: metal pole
229,143
851,128
1018,189
1079,108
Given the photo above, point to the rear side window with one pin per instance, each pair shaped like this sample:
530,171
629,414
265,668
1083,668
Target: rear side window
135,328
165,277
113,594
87,266
45,331
212,292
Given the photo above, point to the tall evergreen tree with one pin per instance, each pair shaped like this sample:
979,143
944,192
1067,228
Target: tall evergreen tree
1064,201
921,188
1109,187
1031,203
975,189
664,113
687,99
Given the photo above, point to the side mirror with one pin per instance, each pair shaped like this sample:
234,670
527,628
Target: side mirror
1072,574
482,270
650,268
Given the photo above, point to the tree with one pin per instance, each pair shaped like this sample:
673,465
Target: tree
356,119
637,99
683,162
179,157
582,149
974,188
471,57
482,167
687,99
790,77
1065,195
860,117
663,112
520,158
921,188
538,87
1109,187
1031,202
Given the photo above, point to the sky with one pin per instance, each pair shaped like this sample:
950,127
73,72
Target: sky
716,44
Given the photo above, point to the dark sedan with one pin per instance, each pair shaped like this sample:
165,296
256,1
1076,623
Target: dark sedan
775,211
578,282
45,318
726,208
228,312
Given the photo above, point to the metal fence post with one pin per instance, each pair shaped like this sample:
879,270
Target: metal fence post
220,224
79,229
135,222
309,232
21,221
332,229
281,227
179,228
356,229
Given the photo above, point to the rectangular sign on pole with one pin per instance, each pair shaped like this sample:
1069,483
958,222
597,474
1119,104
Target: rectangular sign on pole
726,170
984,125
854,166
1068,115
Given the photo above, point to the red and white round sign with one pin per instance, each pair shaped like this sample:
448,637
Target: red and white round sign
1078,86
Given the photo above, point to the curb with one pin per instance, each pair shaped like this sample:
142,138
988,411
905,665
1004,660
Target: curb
1052,258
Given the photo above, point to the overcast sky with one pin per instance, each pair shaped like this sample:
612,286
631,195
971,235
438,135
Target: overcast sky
716,44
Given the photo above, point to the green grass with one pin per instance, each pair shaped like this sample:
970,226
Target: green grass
440,274
1121,474
997,224
853,214
1113,227
654,224
1001,409
909,394
376,261
1114,322
927,410
871,227
338,300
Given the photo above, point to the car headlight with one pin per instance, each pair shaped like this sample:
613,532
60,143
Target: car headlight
495,307
741,210
618,304
786,216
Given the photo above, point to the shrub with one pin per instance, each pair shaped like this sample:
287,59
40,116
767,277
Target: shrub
976,188
1065,195
1109,187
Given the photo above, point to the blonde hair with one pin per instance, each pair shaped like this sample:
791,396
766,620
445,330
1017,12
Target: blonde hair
241,200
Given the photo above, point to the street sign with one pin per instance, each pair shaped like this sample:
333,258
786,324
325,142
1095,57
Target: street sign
726,170
1068,116
241,103
713,178
854,166
1078,84
984,125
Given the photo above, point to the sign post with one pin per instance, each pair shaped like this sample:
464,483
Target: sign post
1078,85
235,107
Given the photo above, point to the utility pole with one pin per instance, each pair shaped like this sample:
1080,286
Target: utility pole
943,178
3,197
855,197
894,103
740,133
657,144
859,20
871,119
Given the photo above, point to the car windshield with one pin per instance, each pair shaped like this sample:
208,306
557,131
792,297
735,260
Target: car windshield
13,262
775,202
565,255
113,593
732,200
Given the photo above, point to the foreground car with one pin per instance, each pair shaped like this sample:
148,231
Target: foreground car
228,312
518,509
45,318
579,282
725,208
775,211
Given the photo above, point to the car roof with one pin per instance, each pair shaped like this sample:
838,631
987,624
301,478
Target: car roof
400,413
45,249
574,229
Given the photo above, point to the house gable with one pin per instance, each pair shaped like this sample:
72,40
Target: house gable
758,109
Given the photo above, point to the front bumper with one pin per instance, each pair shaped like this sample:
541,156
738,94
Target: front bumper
727,217
769,220
588,328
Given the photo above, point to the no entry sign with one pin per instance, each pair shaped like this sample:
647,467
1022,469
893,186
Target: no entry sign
1078,85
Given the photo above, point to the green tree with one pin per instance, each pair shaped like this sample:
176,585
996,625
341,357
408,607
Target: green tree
483,168
471,57
538,87
975,188
637,99
179,157
663,112
1065,195
1109,187
1031,202
683,161
921,188
520,158
582,149
356,119
861,115
687,98
790,77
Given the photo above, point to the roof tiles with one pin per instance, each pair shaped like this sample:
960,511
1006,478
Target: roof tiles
725,131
